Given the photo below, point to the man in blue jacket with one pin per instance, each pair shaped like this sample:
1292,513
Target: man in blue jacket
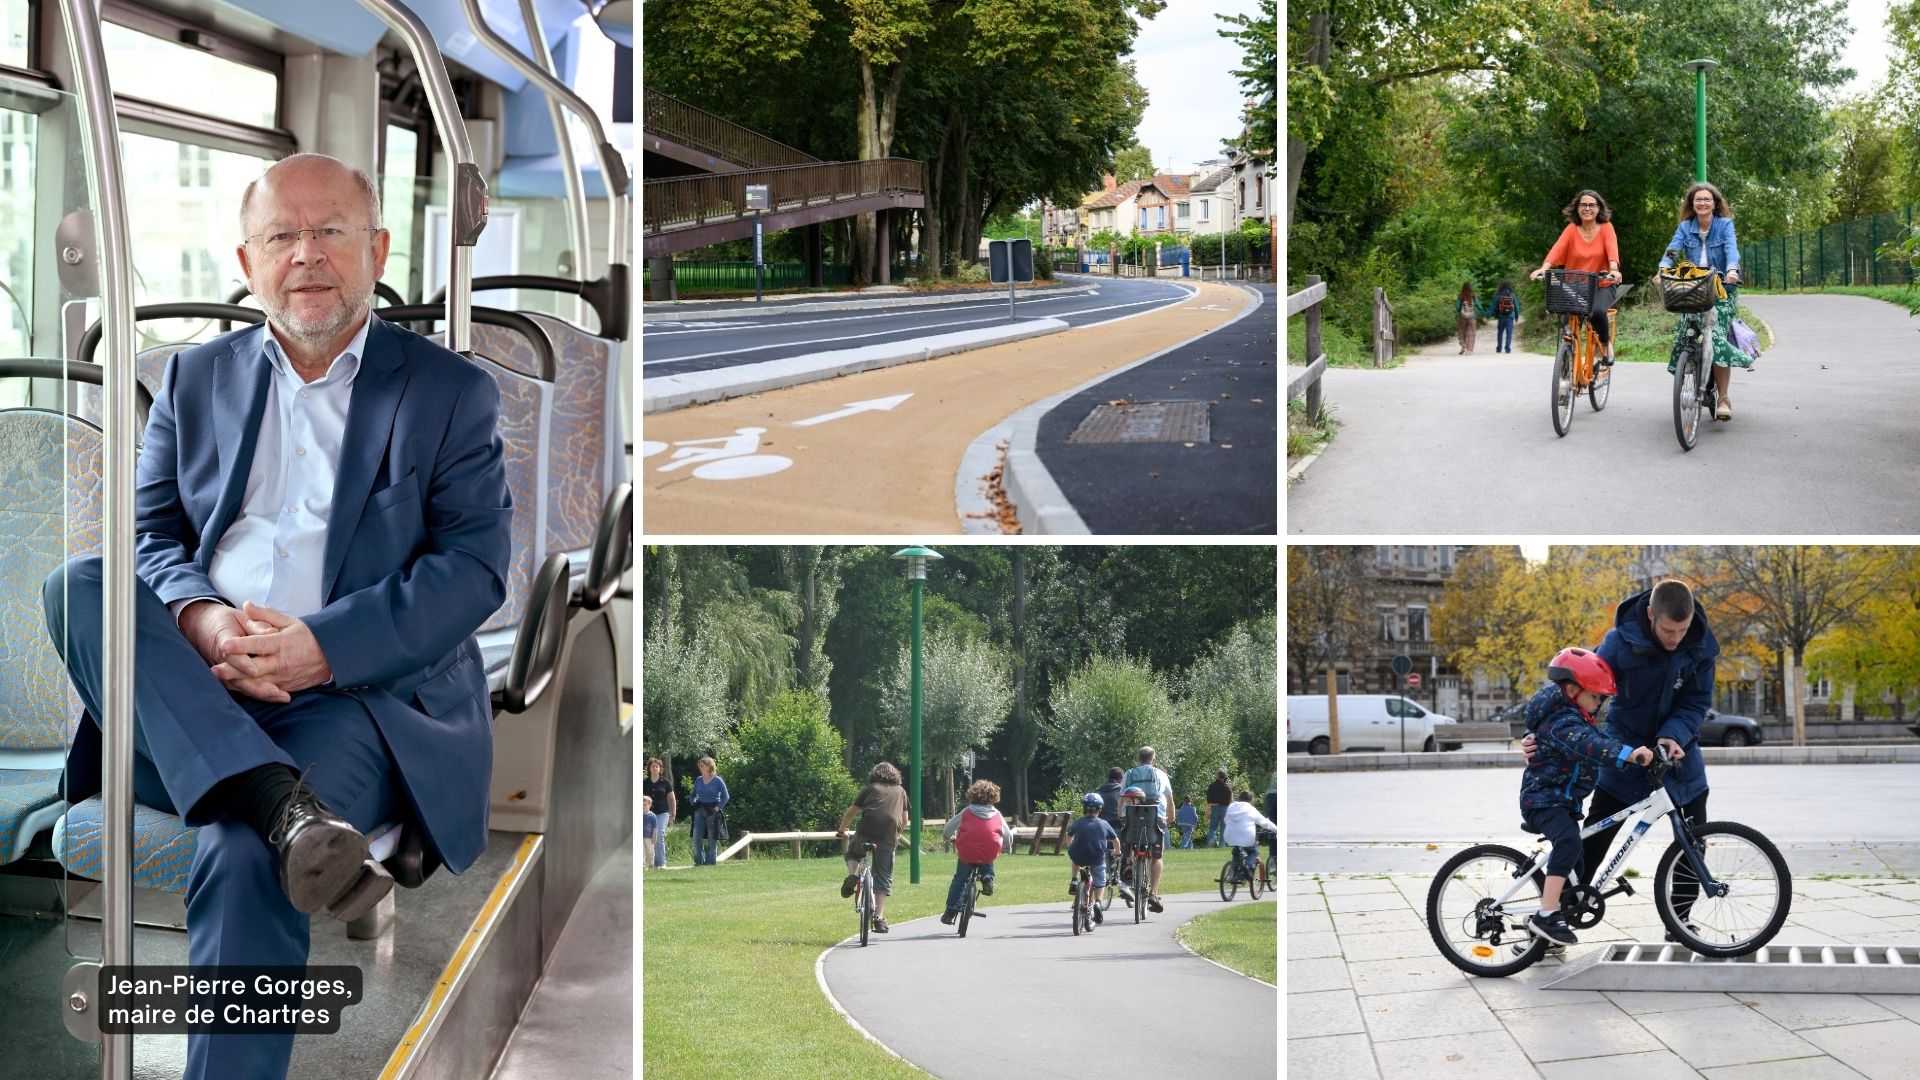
1662,655
322,522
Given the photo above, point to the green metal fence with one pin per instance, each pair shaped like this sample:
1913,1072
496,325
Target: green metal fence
1850,253
692,276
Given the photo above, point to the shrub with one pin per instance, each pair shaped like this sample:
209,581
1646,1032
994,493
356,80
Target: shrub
783,768
1103,713
972,273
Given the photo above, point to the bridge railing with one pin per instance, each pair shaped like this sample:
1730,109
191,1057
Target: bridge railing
691,201
698,129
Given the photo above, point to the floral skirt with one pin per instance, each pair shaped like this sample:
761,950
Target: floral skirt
1725,353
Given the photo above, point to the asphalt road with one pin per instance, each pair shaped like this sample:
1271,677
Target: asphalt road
1006,1001
728,338
1226,485
1823,441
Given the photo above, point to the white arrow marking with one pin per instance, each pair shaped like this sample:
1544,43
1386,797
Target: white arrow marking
880,404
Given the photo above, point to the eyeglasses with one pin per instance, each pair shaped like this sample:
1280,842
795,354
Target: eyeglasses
1589,206
330,237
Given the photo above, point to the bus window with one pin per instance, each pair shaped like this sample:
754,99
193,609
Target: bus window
161,71
544,245
13,32
187,228
401,205
16,242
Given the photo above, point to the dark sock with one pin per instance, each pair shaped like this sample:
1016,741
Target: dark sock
258,795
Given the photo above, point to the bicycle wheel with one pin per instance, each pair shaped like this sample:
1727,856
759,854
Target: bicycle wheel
1141,877
866,910
1473,937
1759,891
1080,903
1105,896
1562,400
1686,399
1253,883
1602,386
1228,883
967,897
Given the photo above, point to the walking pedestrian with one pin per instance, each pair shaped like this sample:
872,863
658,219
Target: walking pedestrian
658,787
709,798
1219,797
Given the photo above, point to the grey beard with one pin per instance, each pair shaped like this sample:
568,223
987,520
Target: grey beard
315,335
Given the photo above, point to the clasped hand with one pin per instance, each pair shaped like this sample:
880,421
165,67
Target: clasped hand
265,654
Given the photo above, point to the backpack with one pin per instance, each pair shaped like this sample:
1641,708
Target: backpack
1504,304
1149,787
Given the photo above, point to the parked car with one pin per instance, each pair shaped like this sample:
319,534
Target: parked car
1385,722
1719,729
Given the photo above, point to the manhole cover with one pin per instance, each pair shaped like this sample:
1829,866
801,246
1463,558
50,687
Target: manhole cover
1144,422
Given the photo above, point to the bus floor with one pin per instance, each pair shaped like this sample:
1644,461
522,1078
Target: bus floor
400,971
584,1003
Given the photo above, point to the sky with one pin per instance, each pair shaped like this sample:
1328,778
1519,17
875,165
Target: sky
1193,99
1866,52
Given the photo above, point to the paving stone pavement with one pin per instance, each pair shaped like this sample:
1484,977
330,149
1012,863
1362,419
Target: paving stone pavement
1370,998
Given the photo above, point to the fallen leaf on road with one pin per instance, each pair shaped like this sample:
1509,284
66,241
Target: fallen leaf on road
1117,401
1226,446
1187,445
1153,474
1823,367
1226,395
1433,847
1456,1057
1259,401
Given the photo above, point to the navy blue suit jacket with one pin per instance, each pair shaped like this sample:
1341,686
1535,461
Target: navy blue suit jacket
415,558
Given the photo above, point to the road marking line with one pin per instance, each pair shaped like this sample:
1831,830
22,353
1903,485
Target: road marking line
815,341
746,320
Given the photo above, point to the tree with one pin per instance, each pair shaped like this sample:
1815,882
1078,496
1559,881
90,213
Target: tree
683,704
1259,39
1103,713
965,693
812,573
1236,681
1569,600
783,768
1797,593
1879,652
1864,146
1132,162
1328,614
1480,621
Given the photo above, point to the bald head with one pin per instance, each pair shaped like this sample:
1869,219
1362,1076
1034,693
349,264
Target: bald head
316,169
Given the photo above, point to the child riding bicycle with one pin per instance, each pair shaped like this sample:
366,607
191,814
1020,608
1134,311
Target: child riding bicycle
1242,821
976,834
1564,718
1091,841
882,808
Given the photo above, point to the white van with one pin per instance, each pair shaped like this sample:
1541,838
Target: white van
1380,722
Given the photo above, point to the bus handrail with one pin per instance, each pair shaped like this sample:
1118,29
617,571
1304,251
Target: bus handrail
101,150
613,167
609,303
569,168
185,309
512,320
35,367
468,189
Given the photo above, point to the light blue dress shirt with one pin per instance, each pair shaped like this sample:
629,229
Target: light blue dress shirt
273,553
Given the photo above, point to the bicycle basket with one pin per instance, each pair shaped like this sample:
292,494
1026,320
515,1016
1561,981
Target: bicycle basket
1570,292
1688,289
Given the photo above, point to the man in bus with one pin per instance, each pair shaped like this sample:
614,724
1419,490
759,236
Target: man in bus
322,522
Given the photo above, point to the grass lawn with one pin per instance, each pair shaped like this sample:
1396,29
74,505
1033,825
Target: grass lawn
1305,436
1240,935
727,952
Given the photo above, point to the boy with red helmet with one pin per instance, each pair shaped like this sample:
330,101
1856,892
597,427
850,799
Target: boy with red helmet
1564,718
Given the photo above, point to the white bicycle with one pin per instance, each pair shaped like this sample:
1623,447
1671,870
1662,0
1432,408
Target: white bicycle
1722,889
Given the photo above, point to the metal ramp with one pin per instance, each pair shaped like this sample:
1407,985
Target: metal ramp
1777,969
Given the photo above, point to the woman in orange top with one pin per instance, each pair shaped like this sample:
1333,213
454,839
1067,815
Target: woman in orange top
1588,244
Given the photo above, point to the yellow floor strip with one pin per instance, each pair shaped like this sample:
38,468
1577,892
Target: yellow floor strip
403,1054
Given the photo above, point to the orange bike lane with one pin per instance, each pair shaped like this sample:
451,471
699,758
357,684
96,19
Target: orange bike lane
878,452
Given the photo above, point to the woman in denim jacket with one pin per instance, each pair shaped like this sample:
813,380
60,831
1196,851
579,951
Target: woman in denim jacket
1705,238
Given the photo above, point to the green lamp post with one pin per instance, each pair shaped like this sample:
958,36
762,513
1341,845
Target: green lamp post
1700,69
916,574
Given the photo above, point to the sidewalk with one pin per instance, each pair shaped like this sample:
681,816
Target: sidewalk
1369,996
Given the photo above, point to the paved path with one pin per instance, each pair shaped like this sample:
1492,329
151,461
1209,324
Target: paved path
1225,485
1824,441
1009,1001
1370,998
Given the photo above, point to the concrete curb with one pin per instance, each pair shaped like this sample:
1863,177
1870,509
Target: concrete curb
664,393
1037,499
693,310
1511,759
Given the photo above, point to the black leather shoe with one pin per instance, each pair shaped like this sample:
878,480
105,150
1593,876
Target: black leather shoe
321,855
411,864
369,888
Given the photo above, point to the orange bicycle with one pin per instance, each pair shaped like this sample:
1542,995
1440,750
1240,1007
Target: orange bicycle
1576,368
